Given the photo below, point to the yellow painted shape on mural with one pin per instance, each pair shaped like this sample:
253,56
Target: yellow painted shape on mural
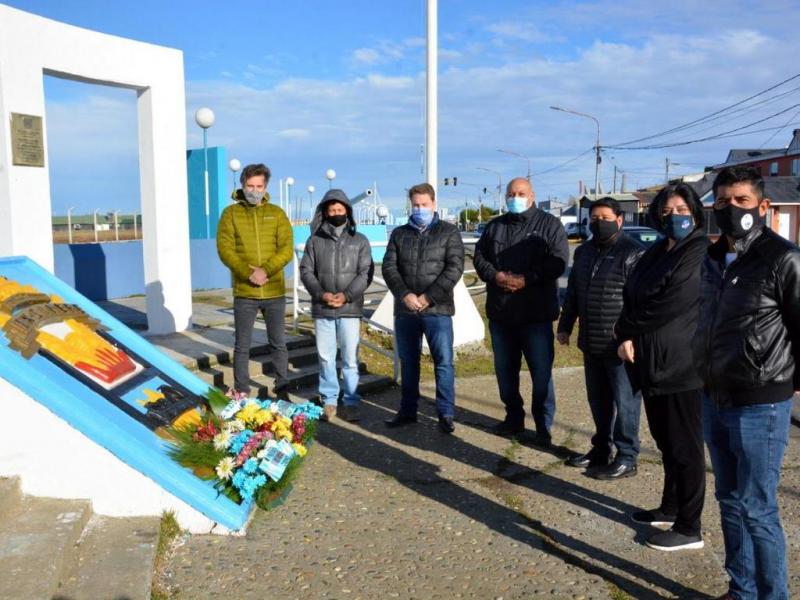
80,345
152,396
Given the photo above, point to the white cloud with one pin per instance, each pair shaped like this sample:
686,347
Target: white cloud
294,134
367,56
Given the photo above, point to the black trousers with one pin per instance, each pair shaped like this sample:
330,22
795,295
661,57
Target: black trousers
676,424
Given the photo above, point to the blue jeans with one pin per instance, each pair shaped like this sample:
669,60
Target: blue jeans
438,330
615,408
344,332
747,444
535,342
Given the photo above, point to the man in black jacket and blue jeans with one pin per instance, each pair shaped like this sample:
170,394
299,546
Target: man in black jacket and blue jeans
520,256
336,270
747,347
600,268
423,263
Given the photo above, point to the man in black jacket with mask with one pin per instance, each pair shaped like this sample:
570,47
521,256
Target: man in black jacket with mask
520,256
424,261
594,296
747,347
336,270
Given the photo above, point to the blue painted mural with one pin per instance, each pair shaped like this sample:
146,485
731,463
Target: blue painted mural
103,379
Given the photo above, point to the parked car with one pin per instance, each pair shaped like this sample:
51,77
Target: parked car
574,230
479,230
644,235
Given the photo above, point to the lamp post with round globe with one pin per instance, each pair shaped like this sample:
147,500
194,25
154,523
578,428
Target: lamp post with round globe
331,175
204,117
289,184
311,190
234,165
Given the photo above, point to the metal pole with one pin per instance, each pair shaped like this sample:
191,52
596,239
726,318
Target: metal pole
431,115
295,294
596,147
135,226
95,224
69,223
116,225
205,180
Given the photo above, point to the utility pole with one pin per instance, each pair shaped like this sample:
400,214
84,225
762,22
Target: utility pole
614,187
667,164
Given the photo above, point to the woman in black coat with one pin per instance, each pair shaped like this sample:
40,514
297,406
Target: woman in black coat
659,316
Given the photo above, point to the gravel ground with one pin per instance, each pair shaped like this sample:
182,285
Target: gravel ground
411,513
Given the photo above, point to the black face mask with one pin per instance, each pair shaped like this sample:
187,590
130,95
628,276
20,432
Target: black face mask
603,231
336,220
736,222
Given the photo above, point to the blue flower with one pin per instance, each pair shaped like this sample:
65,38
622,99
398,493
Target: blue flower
250,466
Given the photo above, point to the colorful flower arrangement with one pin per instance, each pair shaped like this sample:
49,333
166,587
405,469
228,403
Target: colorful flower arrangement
251,448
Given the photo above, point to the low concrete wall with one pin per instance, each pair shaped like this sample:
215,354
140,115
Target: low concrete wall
116,269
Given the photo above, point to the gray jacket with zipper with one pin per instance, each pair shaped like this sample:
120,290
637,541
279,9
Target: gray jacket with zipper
336,260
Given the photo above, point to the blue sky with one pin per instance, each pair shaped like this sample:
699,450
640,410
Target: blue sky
310,85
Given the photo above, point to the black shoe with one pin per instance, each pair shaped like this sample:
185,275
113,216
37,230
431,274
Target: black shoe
400,420
446,424
671,540
653,517
542,440
616,470
506,428
583,461
281,391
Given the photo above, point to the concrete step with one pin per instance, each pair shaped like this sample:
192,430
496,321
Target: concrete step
367,383
10,496
114,558
35,538
221,376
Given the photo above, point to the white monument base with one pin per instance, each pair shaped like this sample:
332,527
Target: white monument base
54,460
467,323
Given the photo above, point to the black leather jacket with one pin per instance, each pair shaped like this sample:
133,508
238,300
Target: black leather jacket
594,292
533,244
430,262
747,343
336,262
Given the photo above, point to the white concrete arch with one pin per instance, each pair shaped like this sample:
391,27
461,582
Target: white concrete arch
33,46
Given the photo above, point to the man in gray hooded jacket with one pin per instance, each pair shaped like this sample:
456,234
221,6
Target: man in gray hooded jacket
336,270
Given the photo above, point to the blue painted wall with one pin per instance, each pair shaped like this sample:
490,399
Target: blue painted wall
220,186
116,269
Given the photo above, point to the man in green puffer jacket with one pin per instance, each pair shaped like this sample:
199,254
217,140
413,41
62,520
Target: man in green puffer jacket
254,240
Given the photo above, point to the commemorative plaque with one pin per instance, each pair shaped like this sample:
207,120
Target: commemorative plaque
27,140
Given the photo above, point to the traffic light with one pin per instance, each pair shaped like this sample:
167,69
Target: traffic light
447,181
455,180
485,191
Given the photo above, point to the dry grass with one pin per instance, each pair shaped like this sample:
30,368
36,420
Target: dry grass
86,236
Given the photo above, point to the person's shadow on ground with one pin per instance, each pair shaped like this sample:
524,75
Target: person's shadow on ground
423,478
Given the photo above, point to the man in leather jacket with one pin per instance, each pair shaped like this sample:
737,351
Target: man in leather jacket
336,270
423,263
520,256
600,268
747,346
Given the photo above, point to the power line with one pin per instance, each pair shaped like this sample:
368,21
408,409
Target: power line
564,164
705,139
706,117
777,131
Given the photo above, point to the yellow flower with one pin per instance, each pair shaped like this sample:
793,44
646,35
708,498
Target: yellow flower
300,449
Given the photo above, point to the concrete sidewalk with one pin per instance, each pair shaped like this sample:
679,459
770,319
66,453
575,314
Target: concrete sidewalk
380,513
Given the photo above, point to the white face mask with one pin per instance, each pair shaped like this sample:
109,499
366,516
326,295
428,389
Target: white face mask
253,197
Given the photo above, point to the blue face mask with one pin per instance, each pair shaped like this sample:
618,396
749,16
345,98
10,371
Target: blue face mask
517,204
678,227
421,217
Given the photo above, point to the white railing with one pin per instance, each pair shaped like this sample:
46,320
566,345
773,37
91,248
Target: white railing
302,306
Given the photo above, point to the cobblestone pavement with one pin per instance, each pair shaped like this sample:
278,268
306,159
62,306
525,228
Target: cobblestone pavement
411,513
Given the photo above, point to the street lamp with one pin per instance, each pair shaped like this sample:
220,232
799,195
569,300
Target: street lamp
234,165
204,117
311,190
69,223
96,210
289,184
517,154
331,175
499,182
596,147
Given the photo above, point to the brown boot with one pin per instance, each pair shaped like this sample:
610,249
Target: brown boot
328,412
